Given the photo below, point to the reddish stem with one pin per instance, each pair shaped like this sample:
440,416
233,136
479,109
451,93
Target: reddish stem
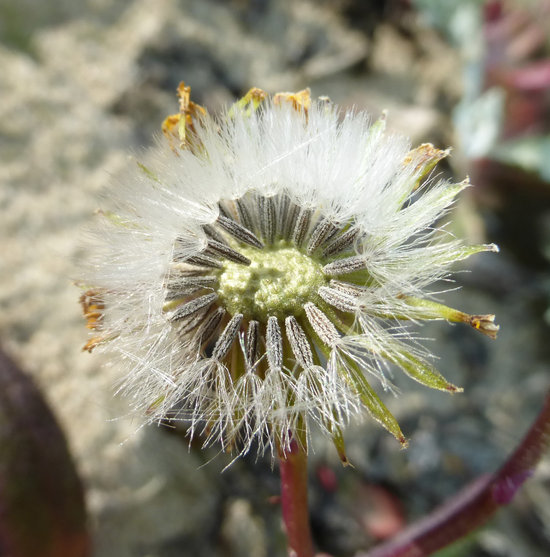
293,467
473,506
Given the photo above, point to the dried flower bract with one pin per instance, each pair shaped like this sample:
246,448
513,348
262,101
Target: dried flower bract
259,268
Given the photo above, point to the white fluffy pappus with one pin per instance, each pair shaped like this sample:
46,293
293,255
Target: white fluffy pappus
254,277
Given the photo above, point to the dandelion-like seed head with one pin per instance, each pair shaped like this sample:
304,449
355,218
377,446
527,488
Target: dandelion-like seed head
261,267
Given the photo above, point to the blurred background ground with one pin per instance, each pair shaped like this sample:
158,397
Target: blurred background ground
84,83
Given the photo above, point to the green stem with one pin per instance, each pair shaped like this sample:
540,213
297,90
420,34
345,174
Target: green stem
293,467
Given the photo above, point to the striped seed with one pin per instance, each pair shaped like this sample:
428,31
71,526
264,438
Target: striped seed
345,266
193,306
282,214
347,288
323,231
342,243
267,219
227,338
251,343
290,220
193,322
204,261
244,214
239,232
322,325
209,327
341,301
188,285
212,233
274,344
223,250
298,342
301,227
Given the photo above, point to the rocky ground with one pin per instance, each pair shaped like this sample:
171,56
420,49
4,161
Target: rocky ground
85,83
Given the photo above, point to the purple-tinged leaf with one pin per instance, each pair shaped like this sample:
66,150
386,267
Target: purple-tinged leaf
42,510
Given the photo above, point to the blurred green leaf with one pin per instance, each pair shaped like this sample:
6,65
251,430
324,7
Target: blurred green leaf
530,153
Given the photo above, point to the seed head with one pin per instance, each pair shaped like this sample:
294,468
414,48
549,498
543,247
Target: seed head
261,267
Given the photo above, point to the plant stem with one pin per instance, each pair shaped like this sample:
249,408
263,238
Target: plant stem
477,503
293,467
